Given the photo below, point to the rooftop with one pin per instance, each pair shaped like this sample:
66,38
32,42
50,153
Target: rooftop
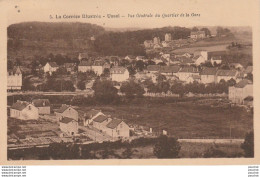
114,123
100,118
41,102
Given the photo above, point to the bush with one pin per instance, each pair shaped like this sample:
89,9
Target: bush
248,144
166,148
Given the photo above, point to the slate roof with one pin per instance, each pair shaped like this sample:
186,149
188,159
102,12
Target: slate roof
153,67
100,118
62,108
41,102
249,69
85,63
69,65
114,123
188,69
117,70
249,98
92,112
243,83
223,72
208,71
15,70
169,69
20,105
66,120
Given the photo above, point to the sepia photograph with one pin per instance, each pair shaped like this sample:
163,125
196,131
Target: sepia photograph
81,88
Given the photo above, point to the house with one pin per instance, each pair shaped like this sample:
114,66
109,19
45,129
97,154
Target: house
130,57
201,58
153,68
226,75
237,66
168,37
91,115
165,44
169,70
70,67
101,121
24,111
197,35
216,57
249,101
148,43
240,91
249,70
50,67
97,67
193,78
117,128
85,66
68,126
156,40
83,56
43,105
119,74
14,79
208,75
66,111
186,72
140,58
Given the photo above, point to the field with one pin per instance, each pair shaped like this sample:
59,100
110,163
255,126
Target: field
184,120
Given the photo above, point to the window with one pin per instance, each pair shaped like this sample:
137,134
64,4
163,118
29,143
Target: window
29,108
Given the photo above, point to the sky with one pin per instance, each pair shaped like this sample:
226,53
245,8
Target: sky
211,12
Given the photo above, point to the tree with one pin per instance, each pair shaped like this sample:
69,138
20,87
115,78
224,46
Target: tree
131,89
248,144
166,147
195,29
206,30
105,92
140,65
127,154
81,85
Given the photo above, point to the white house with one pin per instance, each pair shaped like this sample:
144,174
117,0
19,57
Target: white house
43,105
68,126
24,111
101,121
67,111
117,128
208,75
240,91
226,75
14,79
119,74
91,115
84,66
50,67
186,72
197,35
97,67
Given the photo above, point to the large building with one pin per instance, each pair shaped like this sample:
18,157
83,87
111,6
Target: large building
241,91
226,75
168,37
197,35
24,110
69,126
208,75
50,67
116,128
156,40
67,111
119,74
14,79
